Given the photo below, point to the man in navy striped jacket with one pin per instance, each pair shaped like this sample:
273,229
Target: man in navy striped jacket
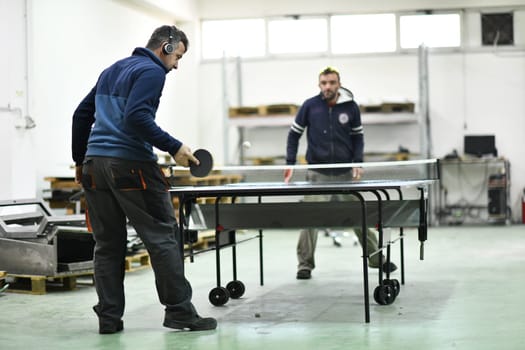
334,134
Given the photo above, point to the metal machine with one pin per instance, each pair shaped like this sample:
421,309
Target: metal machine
35,242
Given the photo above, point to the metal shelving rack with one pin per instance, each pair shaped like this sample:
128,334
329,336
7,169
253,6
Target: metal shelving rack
421,117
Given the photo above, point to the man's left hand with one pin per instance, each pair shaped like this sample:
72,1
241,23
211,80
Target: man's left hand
357,173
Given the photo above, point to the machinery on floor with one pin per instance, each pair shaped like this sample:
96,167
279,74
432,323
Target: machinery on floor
33,241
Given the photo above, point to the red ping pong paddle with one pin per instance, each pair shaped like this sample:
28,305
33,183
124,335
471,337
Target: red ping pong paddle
206,163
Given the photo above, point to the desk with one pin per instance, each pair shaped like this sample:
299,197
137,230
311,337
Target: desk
380,211
473,191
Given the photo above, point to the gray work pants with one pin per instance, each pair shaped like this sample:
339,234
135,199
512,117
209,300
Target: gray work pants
119,190
308,237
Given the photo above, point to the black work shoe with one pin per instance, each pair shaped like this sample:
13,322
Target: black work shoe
109,328
389,267
304,274
194,324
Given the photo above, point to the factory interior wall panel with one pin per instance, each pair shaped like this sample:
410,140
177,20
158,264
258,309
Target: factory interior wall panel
115,29
178,111
470,92
6,176
235,8
17,178
495,105
212,110
180,10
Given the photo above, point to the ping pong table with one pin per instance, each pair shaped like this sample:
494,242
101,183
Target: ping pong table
259,205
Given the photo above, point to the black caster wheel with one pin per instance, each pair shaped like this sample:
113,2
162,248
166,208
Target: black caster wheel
236,289
219,296
384,295
394,284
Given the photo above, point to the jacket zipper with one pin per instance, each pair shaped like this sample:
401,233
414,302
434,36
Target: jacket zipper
332,149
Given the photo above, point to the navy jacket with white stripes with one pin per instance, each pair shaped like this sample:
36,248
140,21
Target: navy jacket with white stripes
334,134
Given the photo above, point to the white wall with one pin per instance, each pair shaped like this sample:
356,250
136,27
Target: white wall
476,91
69,52
70,42
210,9
17,161
294,80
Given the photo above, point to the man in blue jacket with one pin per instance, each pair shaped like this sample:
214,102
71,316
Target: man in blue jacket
113,135
334,134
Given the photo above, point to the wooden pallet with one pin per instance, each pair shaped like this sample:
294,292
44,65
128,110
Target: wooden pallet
263,110
39,285
397,107
277,110
370,108
61,189
204,241
388,108
137,261
3,285
183,178
234,112
262,160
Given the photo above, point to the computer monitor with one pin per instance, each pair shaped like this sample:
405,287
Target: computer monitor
480,145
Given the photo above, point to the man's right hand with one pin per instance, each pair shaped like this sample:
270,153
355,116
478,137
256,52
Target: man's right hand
288,175
184,157
78,174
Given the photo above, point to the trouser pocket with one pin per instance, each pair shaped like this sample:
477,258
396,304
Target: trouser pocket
128,178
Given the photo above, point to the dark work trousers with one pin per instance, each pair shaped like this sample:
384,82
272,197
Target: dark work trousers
307,241
118,190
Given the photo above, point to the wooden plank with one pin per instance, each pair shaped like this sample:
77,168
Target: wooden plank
38,285
3,285
63,182
244,111
263,110
278,109
204,240
407,107
370,108
137,261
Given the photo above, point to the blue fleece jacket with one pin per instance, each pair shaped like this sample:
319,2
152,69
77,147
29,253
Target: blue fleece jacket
117,117
334,134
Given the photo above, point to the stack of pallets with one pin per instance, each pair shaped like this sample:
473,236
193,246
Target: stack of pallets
263,110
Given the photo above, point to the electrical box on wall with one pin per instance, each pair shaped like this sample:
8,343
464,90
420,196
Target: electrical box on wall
497,28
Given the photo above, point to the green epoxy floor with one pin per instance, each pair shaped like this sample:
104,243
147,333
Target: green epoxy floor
466,294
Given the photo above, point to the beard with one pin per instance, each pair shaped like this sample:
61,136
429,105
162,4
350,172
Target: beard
329,95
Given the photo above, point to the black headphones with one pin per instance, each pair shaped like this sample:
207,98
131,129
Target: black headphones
168,48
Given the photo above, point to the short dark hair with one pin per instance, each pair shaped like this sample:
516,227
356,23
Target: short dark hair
162,34
330,70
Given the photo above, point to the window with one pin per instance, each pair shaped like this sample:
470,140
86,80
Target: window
363,33
241,37
324,34
297,35
433,30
